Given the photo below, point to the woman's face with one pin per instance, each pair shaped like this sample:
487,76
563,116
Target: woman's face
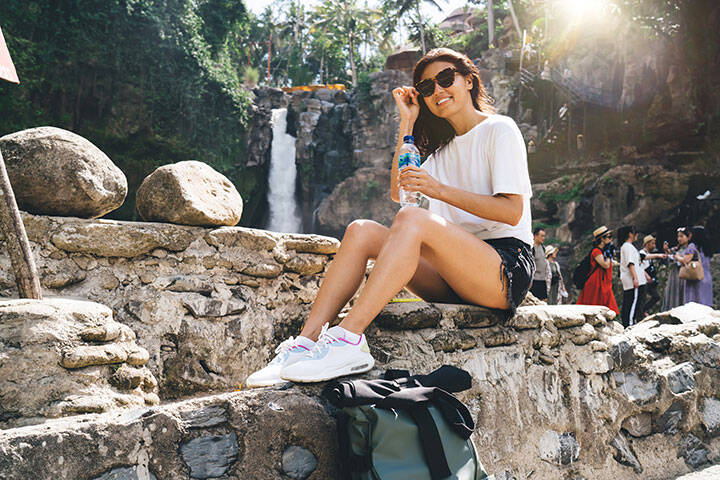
445,102
605,239
683,239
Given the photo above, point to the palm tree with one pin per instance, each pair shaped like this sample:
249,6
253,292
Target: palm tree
401,7
350,22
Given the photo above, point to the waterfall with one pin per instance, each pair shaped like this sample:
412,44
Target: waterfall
284,214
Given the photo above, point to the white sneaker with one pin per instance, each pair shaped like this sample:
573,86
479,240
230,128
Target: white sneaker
331,357
288,352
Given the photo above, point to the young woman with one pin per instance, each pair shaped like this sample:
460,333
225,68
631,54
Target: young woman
598,288
471,246
557,284
699,291
675,286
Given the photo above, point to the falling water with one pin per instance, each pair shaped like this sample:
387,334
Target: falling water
284,215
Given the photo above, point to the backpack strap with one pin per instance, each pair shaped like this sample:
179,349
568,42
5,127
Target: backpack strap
431,443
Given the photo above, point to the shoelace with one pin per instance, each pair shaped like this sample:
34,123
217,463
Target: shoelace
284,348
324,339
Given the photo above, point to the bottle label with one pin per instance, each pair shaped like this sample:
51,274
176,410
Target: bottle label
409,158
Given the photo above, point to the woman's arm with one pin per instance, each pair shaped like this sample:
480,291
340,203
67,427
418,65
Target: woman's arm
409,109
505,208
600,259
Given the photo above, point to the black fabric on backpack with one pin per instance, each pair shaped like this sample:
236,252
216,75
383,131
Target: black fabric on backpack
582,272
418,396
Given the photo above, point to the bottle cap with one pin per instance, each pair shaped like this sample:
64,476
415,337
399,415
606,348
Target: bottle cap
408,139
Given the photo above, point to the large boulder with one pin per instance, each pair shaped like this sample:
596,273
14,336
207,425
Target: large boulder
63,357
56,172
189,193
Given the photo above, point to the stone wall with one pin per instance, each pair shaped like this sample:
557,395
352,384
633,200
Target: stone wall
205,303
559,392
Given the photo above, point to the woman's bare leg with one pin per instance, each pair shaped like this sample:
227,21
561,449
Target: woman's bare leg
469,266
363,240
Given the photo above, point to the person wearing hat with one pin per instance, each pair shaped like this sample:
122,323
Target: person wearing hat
598,287
648,268
557,285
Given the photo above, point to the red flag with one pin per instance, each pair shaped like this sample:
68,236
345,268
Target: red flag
7,69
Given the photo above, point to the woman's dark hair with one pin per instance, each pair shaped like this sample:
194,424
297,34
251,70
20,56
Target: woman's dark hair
624,232
701,240
432,132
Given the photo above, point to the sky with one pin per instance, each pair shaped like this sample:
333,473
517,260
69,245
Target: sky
257,6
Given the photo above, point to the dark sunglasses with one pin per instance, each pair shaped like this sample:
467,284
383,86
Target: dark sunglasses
445,78
607,235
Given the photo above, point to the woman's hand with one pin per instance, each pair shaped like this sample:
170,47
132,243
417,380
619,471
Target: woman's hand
407,103
415,179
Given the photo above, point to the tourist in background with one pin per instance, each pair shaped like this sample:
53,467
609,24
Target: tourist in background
598,288
699,291
557,285
675,286
632,277
647,255
541,278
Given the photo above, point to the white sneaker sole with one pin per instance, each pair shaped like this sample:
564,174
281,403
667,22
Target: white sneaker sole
330,374
266,383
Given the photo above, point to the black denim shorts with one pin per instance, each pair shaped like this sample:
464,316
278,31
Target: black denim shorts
518,265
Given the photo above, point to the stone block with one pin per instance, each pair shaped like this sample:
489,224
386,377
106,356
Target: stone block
681,378
693,451
669,421
711,415
452,340
624,453
639,425
408,316
298,462
559,448
635,388
210,456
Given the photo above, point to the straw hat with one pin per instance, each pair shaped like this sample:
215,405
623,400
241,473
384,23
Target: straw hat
600,231
648,239
549,250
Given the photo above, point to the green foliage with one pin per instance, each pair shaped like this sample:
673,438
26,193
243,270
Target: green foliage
561,197
149,82
371,190
251,76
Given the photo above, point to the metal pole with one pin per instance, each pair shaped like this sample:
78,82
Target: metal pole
16,240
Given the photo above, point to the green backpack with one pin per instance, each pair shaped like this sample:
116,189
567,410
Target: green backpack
409,432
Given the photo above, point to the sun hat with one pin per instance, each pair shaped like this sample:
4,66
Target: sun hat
648,239
549,250
600,231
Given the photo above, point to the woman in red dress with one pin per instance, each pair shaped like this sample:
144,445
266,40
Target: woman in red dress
598,288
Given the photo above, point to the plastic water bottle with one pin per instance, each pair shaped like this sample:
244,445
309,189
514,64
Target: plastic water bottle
408,155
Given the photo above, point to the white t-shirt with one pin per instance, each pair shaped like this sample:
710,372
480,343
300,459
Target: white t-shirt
488,160
630,255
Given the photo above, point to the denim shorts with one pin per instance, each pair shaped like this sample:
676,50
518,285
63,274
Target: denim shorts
518,266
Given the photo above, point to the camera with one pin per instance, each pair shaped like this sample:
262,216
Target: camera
609,250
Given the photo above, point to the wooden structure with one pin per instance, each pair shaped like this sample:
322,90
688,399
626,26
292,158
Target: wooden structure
11,223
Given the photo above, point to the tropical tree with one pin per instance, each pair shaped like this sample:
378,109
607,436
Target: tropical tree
346,20
403,7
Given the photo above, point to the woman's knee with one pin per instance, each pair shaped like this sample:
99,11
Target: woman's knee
364,232
410,218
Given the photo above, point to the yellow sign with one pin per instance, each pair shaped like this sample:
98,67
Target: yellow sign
7,69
